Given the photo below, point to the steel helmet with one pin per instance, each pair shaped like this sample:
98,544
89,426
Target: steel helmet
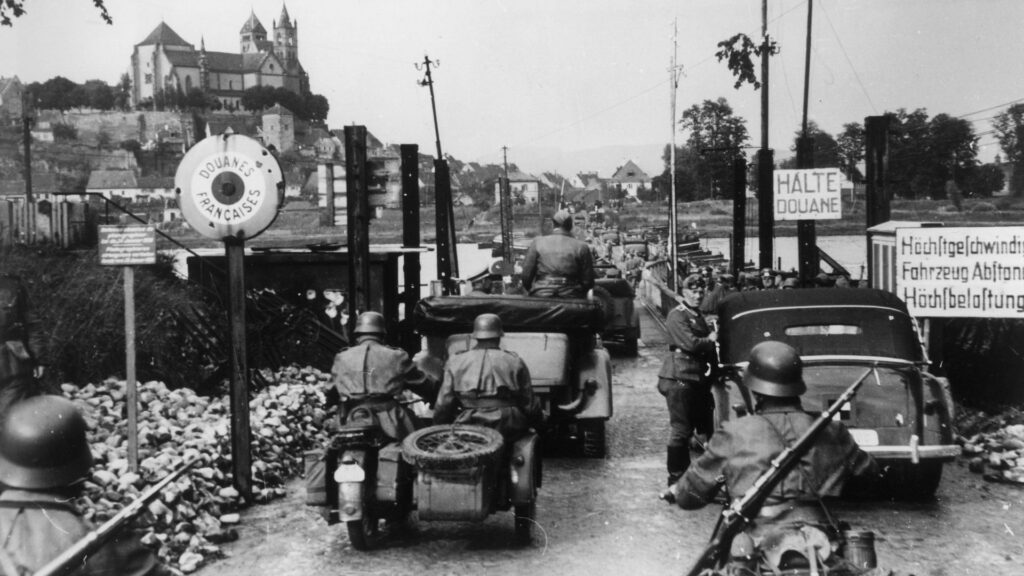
370,323
775,369
43,444
487,326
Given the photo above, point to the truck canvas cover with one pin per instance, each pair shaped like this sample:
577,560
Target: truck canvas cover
819,322
455,314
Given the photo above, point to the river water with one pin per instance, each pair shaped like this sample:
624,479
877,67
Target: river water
850,251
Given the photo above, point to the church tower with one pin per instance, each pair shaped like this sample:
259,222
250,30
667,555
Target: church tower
204,67
253,35
286,40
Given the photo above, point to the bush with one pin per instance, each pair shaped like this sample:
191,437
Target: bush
65,132
81,308
983,207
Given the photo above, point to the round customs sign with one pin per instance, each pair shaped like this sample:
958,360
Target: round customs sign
228,187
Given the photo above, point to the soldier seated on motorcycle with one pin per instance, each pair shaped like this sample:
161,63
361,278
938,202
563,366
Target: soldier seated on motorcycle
743,449
368,378
488,386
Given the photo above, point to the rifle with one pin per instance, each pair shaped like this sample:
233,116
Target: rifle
98,537
736,517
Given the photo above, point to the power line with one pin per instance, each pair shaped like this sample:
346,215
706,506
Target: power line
848,61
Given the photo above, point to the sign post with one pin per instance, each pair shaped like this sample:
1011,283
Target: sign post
129,246
230,189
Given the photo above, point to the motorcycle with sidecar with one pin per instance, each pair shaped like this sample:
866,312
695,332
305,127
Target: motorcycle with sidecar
453,472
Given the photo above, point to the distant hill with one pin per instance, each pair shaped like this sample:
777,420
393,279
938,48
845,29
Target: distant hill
603,160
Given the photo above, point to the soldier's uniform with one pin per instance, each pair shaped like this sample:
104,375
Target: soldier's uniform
558,264
684,381
22,346
44,457
369,376
492,388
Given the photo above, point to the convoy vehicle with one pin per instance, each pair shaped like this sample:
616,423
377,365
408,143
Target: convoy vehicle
558,340
450,472
622,319
903,415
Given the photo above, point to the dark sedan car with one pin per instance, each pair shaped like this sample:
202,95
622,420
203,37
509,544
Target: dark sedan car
902,415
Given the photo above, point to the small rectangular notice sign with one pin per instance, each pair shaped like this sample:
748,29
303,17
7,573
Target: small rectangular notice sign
808,194
961,272
127,245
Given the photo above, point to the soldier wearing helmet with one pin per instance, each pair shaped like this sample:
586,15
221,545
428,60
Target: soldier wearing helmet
558,264
684,379
488,386
45,459
367,379
744,448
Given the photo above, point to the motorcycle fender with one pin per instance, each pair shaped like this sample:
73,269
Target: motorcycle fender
595,372
350,476
524,469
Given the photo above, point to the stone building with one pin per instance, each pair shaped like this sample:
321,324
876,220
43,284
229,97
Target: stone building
164,63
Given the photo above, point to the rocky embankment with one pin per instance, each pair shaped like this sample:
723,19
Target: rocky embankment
194,515
994,444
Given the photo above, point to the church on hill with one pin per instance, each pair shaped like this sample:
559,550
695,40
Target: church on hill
164,63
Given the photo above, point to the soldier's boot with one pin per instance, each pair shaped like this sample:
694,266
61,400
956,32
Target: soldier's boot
678,462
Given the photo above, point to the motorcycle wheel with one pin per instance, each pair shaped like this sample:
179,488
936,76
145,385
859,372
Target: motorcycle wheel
364,534
525,519
451,446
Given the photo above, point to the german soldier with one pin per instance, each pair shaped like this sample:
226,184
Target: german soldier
368,377
558,264
44,462
684,379
22,349
488,386
743,449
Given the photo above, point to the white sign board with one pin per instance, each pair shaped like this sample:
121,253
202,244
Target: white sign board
127,245
961,272
808,194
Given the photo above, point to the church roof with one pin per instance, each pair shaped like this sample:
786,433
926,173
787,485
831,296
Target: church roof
219,61
279,110
253,25
163,34
285,21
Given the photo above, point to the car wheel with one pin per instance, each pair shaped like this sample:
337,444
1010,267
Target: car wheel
452,446
631,344
525,519
592,435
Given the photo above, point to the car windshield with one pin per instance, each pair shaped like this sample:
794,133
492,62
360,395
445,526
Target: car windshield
823,330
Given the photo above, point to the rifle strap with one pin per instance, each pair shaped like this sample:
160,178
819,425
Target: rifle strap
42,504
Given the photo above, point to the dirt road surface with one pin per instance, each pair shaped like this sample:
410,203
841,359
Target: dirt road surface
600,517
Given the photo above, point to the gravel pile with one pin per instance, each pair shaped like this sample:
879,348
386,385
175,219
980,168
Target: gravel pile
195,514
995,445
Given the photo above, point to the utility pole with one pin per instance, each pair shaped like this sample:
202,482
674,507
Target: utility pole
507,220
447,256
807,241
30,203
674,72
765,158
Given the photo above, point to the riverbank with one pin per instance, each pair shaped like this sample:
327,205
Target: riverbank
711,218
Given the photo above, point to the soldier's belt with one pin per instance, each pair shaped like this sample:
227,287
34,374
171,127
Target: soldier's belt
372,402
554,281
476,403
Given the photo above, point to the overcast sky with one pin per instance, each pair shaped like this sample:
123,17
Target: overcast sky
572,84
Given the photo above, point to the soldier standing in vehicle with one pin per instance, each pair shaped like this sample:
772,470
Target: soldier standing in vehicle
684,379
45,460
558,264
743,449
488,386
367,379
22,349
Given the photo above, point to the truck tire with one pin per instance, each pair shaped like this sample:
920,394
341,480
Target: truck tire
604,298
592,438
452,446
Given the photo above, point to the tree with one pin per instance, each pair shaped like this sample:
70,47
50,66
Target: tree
54,94
1009,128
850,148
925,154
984,180
826,149
11,9
715,135
317,107
123,93
98,95
739,52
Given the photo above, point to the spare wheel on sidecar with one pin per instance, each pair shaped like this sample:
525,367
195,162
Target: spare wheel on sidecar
451,446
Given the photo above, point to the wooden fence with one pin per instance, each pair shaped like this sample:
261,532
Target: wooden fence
57,222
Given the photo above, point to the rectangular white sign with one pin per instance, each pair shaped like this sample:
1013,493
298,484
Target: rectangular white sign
808,194
961,272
